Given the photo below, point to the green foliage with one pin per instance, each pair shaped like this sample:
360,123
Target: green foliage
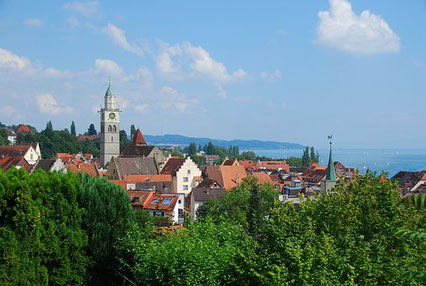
41,240
202,254
73,129
248,155
132,130
344,237
124,141
247,205
3,137
192,149
295,162
54,141
418,200
92,130
108,217
309,157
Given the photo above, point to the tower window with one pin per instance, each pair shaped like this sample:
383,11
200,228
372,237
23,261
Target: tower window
112,139
114,128
109,128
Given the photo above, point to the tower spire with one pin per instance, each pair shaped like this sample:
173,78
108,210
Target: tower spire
331,173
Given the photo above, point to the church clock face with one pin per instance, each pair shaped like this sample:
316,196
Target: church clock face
112,115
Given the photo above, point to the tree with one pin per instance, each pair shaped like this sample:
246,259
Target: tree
132,130
201,254
248,155
73,128
108,217
3,137
305,157
92,130
192,149
124,141
41,239
347,236
210,149
312,156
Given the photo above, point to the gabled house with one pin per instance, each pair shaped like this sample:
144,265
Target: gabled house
76,166
139,148
229,162
124,166
411,182
22,128
51,165
201,195
30,152
185,174
160,205
11,135
226,176
270,166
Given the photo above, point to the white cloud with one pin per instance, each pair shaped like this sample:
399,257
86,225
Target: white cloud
170,99
144,76
9,60
366,33
55,73
108,66
87,9
199,62
34,22
122,102
270,76
11,113
47,104
141,108
73,21
120,39
221,92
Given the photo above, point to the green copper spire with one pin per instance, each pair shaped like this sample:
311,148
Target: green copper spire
331,173
109,92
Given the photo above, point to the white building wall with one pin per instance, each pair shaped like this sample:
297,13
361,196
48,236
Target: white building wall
32,156
185,176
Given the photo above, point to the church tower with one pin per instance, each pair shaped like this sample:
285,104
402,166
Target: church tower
330,180
110,128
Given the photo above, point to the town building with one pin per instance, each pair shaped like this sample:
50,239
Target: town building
110,128
226,176
411,182
51,165
330,180
139,148
185,173
159,205
200,195
124,166
30,152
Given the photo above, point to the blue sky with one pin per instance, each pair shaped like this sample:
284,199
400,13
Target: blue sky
291,71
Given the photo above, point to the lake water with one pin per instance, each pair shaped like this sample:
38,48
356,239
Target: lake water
388,160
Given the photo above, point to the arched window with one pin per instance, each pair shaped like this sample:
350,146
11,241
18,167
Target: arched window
112,139
109,128
114,128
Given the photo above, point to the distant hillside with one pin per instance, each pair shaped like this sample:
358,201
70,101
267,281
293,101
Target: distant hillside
169,139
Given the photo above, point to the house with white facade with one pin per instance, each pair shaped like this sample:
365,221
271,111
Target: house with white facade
185,174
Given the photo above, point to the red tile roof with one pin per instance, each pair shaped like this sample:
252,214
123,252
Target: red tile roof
138,139
88,168
14,150
226,176
273,165
23,128
262,178
146,178
172,165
